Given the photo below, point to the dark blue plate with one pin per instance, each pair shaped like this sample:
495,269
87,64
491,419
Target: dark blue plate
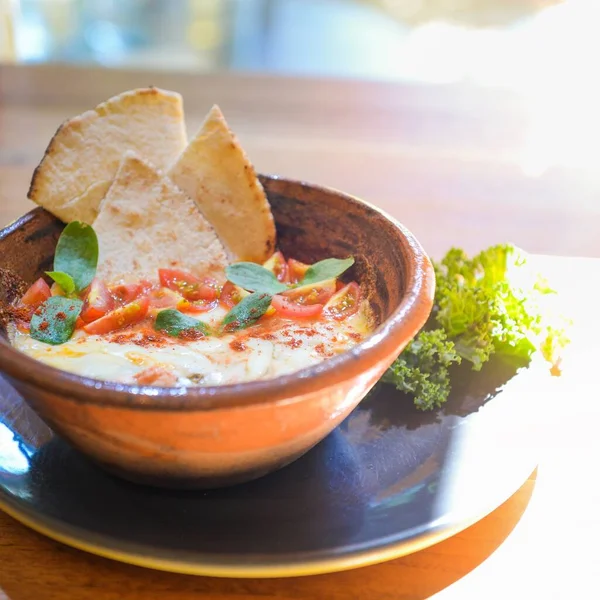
389,481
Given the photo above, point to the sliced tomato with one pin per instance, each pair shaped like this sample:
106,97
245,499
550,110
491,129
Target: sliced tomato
343,303
296,270
97,302
210,290
79,323
167,298
164,298
288,308
120,317
316,293
231,295
124,293
156,375
200,306
188,285
37,293
278,266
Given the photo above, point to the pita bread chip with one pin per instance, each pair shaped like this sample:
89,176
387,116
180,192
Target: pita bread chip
145,223
216,173
84,154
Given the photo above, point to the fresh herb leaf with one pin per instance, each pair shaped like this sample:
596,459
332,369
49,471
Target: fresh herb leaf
64,280
247,312
174,323
77,254
54,321
255,278
329,268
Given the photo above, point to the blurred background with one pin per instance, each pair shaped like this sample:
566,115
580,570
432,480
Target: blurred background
488,109
432,40
542,49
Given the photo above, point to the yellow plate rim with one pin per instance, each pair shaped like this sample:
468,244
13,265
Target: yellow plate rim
299,569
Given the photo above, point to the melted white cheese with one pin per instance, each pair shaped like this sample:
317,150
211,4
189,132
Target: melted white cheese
233,358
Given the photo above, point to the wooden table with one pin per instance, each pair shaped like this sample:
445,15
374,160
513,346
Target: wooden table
445,161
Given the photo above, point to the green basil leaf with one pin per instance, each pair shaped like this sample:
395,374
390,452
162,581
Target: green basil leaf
174,323
64,280
329,268
54,321
255,278
247,312
77,253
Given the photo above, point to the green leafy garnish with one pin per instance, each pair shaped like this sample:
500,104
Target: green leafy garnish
247,312
423,371
484,306
54,321
75,262
329,268
64,280
254,278
174,323
265,285
76,255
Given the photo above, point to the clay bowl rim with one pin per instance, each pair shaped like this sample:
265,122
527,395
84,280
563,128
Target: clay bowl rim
402,325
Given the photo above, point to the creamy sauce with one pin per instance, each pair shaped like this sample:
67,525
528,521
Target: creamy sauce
263,351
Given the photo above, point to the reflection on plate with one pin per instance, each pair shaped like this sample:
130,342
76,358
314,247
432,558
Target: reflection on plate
389,481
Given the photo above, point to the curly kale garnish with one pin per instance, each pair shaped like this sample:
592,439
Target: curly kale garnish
422,369
483,306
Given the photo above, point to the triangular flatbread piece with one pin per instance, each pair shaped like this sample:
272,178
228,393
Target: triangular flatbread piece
215,172
145,223
84,154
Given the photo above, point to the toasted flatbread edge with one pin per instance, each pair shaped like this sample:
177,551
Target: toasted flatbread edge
270,242
161,177
151,92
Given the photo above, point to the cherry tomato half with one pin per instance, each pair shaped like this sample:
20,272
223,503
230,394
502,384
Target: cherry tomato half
120,317
288,308
344,303
98,302
188,285
231,295
296,270
164,298
316,293
199,306
37,293
278,266
124,293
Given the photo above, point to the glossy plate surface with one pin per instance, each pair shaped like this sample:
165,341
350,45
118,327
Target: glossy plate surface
389,481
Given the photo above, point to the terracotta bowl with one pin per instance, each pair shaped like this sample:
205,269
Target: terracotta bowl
213,436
